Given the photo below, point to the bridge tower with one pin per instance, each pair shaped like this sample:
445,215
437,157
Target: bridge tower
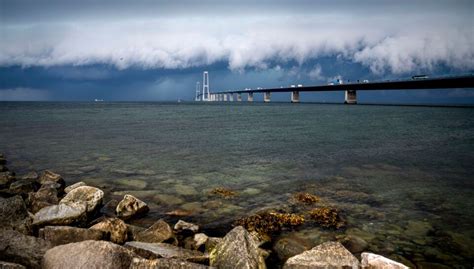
205,87
198,91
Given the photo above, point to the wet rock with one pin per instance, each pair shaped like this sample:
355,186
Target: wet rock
185,190
23,187
163,250
133,231
194,207
109,208
168,199
367,236
87,169
160,231
62,214
49,176
326,255
88,254
374,261
251,191
33,176
131,206
14,215
115,229
73,186
417,228
211,243
354,243
60,235
132,183
91,196
19,248
199,240
179,213
138,263
290,246
183,225
9,265
238,249
6,178
47,195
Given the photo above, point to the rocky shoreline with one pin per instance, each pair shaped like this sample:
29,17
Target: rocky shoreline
46,224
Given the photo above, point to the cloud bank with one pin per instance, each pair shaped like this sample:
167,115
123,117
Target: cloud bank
415,36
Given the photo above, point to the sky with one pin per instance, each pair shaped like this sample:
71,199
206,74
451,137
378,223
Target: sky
145,50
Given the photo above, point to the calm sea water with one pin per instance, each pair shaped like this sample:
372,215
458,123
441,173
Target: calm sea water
402,176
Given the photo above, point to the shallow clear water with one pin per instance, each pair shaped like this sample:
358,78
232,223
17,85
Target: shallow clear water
402,176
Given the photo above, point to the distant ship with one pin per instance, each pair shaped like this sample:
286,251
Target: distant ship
98,100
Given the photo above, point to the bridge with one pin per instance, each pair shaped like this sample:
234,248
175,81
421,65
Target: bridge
350,89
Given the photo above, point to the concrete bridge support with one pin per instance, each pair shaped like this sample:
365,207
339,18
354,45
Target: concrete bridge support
231,97
250,97
225,97
239,97
266,97
295,96
350,97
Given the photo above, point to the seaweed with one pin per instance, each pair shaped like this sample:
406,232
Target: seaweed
267,223
223,192
306,198
327,217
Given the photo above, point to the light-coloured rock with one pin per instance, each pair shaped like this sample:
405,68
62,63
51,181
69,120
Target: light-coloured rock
326,255
19,248
60,235
73,186
131,206
182,225
200,239
14,215
62,214
114,228
374,261
90,195
139,263
88,254
160,231
163,250
238,249
9,265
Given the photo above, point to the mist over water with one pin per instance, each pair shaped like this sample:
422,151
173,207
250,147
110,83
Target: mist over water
402,176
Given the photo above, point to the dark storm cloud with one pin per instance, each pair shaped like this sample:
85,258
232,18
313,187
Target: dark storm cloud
385,36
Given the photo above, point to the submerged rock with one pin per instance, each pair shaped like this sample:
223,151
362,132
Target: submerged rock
73,186
138,263
374,261
14,215
131,206
88,254
114,228
109,208
19,248
238,249
160,231
182,225
185,190
60,235
62,214
354,243
163,250
289,246
326,255
91,196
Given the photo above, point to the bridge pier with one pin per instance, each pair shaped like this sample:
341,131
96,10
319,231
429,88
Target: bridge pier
350,97
250,97
239,97
266,97
295,96
225,97
231,97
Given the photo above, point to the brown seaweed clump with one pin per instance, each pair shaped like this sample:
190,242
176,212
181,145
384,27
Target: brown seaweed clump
267,223
224,192
327,217
306,198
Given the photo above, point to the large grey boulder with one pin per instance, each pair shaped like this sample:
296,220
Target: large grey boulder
115,229
47,195
163,250
138,263
88,254
14,215
374,261
60,235
238,249
19,248
62,214
90,195
326,255
130,206
160,231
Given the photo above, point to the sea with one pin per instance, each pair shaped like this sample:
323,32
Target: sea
402,177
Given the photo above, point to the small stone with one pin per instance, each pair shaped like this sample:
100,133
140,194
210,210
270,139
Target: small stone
374,261
62,214
139,263
9,265
200,239
131,206
60,235
114,228
88,254
91,196
179,213
73,186
163,250
183,225
160,231
49,176
326,255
